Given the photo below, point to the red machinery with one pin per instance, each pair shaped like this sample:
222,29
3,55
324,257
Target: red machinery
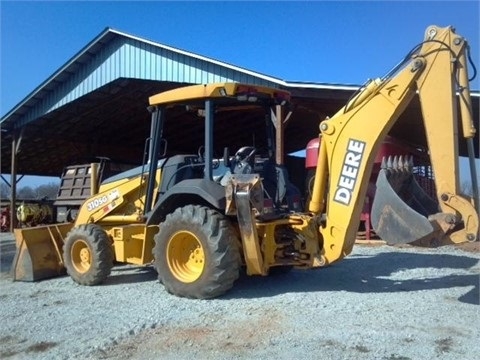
5,219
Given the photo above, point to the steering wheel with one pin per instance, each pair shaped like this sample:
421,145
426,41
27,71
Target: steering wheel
244,160
245,154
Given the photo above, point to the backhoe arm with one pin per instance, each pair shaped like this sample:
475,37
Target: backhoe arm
446,73
351,138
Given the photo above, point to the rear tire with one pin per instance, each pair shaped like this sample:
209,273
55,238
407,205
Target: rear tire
196,253
88,255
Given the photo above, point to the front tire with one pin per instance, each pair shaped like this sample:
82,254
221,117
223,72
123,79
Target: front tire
196,253
88,255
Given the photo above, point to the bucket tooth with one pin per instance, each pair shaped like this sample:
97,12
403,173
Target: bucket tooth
383,165
400,163
410,163
389,162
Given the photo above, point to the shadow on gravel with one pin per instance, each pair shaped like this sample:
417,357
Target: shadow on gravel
6,261
368,274
7,253
357,273
129,274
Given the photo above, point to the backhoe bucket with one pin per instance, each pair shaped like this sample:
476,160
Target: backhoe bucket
39,252
401,207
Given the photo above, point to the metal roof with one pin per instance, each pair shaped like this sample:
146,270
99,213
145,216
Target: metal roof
95,105
113,55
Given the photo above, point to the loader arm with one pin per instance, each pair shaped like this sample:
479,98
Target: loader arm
352,137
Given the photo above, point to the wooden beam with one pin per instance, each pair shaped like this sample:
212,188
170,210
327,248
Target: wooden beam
280,122
279,135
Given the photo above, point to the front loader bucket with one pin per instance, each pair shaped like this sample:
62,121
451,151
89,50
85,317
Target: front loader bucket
39,252
401,207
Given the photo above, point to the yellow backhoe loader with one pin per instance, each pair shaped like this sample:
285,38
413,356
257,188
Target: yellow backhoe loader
200,219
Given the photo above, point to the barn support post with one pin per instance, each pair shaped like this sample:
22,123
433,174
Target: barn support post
13,183
16,140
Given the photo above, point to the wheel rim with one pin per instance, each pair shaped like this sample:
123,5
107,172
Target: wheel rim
185,256
81,256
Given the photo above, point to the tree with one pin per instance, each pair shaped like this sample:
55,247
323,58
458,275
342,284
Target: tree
49,191
4,190
466,188
26,193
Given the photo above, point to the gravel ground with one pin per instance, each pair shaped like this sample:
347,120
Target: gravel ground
379,303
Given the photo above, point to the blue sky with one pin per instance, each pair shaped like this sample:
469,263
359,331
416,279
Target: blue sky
317,41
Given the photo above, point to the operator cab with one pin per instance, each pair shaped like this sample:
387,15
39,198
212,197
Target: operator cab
231,116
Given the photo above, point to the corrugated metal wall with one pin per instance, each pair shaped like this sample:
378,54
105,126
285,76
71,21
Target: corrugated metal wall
124,57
